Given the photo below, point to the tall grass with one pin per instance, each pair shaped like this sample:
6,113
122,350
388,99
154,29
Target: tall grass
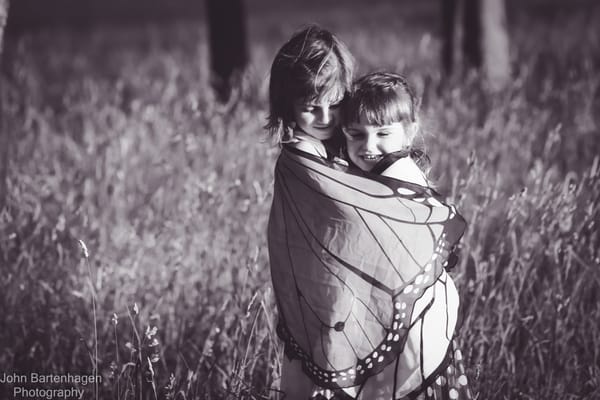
119,143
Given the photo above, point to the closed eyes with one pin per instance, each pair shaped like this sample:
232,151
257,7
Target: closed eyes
351,132
355,134
315,107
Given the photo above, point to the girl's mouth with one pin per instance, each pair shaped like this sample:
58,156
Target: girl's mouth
371,157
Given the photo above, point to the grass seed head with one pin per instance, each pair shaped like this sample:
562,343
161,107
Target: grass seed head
86,254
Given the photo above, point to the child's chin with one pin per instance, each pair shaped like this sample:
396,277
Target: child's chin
323,135
365,166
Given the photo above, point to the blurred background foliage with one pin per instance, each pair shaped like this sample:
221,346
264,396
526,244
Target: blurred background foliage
119,142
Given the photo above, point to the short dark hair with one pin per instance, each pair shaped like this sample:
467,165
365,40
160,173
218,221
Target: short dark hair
314,63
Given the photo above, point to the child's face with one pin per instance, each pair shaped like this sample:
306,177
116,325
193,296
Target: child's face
367,144
317,118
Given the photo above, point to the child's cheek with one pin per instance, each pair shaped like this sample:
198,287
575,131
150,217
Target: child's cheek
353,151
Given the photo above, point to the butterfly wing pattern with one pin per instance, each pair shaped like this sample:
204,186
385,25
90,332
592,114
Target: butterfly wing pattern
350,257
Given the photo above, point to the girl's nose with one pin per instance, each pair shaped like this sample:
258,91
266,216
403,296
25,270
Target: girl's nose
325,115
371,143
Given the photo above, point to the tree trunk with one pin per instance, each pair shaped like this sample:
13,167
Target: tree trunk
228,44
472,33
449,31
494,43
3,19
4,132
480,27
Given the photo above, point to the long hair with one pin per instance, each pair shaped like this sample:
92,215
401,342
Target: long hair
313,65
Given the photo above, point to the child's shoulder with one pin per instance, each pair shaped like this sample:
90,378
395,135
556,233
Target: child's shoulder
407,170
309,148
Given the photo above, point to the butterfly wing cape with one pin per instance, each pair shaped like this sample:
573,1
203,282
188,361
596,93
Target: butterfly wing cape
350,256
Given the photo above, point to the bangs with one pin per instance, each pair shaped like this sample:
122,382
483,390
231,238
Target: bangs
331,92
383,106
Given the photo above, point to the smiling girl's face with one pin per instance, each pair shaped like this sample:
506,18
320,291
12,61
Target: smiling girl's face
367,143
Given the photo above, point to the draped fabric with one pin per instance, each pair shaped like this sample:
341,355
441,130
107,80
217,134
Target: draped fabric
358,268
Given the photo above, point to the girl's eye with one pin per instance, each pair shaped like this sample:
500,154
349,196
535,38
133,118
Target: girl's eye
384,133
353,135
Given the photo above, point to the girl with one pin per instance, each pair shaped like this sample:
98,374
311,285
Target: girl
380,126
310,76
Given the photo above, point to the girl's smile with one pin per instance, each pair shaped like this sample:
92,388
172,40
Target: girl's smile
371,158
367,143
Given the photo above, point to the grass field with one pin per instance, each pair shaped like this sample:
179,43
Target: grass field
119,143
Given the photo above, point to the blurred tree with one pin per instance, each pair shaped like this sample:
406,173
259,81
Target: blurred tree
4,133
3,19
450,35
228,44
494,43
479,28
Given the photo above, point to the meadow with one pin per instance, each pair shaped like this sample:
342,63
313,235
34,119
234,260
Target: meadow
119,144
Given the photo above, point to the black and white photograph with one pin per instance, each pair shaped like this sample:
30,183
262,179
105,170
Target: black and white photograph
299,200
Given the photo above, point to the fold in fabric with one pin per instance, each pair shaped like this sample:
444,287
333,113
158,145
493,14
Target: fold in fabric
354,260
